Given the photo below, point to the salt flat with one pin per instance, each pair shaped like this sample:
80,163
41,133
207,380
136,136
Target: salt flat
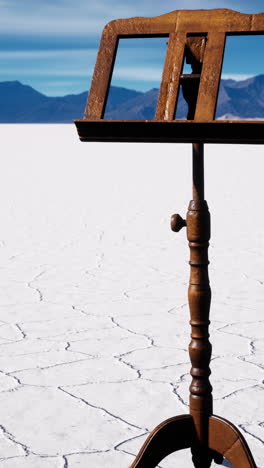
93,306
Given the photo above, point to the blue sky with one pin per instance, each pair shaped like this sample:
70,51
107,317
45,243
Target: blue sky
52,44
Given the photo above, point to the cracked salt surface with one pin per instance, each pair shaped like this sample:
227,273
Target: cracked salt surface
93,296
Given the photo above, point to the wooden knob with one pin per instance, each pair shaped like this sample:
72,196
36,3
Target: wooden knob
177,223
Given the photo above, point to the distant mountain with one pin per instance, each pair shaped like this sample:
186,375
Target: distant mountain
20,103
141,106
117,97
244,99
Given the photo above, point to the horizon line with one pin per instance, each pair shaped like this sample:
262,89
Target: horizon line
228,77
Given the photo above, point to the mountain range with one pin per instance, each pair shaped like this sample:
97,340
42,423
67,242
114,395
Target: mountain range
21,103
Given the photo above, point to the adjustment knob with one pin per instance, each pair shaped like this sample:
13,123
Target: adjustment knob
177,222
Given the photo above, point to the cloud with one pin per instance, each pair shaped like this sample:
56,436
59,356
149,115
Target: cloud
236,76
148,74
47,72
47,54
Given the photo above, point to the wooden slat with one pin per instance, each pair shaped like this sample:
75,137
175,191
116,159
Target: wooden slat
170,83
257,23
163,24
179,131
219,19
226,439
210,78
102,76
197,21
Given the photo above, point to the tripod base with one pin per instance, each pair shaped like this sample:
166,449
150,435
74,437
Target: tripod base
177,433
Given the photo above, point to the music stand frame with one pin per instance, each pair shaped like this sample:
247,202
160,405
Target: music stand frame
199,36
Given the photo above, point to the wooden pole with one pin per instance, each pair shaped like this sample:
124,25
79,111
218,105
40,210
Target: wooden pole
198,171
199,295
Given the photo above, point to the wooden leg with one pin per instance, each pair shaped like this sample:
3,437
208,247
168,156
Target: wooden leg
227,440
171,435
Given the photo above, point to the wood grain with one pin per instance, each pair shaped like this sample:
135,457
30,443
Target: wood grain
210,77
101,78
226,439
170,82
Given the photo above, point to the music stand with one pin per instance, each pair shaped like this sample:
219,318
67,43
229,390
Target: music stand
199,36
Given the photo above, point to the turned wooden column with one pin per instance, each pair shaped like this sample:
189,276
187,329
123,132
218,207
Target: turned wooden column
199,295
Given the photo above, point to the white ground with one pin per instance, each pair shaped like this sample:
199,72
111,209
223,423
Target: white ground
94,322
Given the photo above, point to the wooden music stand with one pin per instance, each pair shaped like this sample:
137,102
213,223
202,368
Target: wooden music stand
199,36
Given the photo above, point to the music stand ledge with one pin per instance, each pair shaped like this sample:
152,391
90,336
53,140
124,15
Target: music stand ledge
199,36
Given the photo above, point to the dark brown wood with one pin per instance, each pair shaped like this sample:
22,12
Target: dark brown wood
177,223
150,131
171,435
199,294
226,439
198,171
